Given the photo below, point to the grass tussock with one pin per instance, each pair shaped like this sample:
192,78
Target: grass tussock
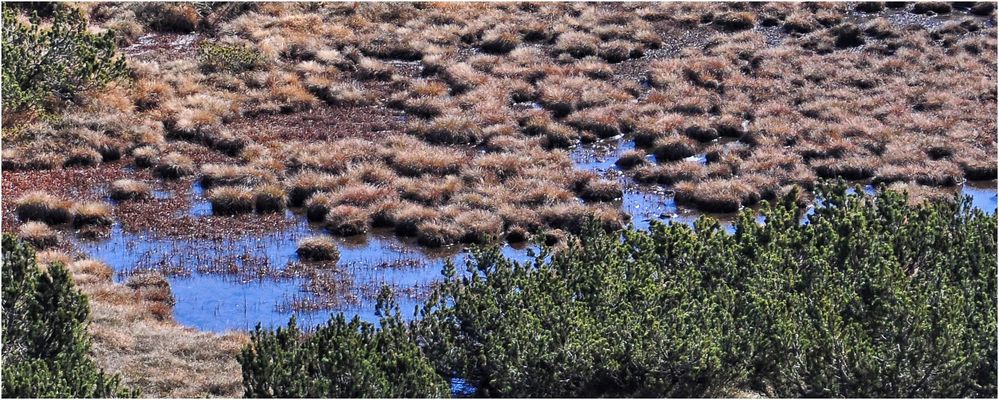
269,198
318,248
130,190
808,90
174,166
38,234
347,220
231,200
91,214
41,206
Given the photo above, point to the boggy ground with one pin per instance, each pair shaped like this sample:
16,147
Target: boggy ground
135,336
451,122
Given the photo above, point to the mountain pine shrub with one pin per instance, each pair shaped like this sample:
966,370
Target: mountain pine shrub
44,66
340,359
868,297
45,343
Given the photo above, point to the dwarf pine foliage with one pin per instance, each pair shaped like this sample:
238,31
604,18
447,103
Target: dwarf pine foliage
340,359
868,297
45,65
45,342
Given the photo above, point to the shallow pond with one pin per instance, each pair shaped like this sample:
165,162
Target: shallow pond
245,280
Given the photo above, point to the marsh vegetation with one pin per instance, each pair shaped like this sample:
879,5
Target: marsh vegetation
195,155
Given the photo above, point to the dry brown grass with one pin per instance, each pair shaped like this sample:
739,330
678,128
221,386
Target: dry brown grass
134,335
130,190
347,220
38,234
318,248
41,206
231,200
92,213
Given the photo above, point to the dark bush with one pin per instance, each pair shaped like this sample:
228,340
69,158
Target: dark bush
45,342
871,298
43,67
340,359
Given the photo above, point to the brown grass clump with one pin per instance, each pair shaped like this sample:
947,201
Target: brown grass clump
735,21
431,160
573,217
601,190
670,173
269,198
480,226
673,148
91,214
577,44
850,168
93,270
226,175
935,7
983,8
305,184
347,95
715,195
800,22
318,248
345,220
130,189
382,214
918,194
429,191
977,165
151,287
929,173
517,235
169,17
701,132
408,215
231,200
145,156
41,206
362,195
500,40
82,156
173,166
427,107
317,206
370,68
38,234
649,129
870,7
631,159
374,173
435,233
616,51
463,78
448,129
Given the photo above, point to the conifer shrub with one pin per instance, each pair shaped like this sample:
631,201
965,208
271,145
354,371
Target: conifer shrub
342,358
870,297
46,64
45,340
